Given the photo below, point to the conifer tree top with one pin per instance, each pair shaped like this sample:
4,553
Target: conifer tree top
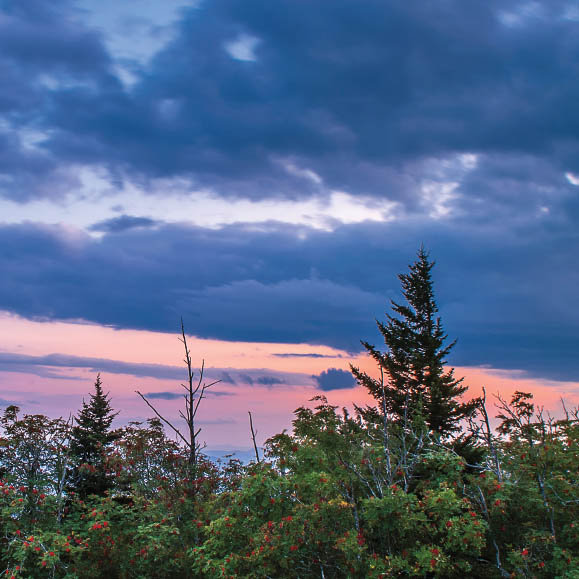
413,364
94,420
417,288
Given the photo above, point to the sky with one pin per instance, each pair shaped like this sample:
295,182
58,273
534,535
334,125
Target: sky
265,170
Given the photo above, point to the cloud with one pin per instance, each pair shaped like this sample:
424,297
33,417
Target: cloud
163,395
269,380
306,355
18,364
242,48
45,51
45,366
41,365
217,421
372,98
179,396
289,284
123,223
217,393
257,378
334,379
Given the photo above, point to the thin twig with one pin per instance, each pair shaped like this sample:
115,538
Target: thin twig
177,432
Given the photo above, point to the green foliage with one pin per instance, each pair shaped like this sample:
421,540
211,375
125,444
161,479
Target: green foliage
532,511
143,457
434,532
35,457
391,531
337,499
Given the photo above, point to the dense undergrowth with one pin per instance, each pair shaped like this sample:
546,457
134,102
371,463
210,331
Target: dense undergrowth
342,496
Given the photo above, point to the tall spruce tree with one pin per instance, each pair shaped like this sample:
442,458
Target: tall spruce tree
91,435
413,366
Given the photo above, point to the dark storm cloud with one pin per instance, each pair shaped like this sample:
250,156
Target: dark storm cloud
362,93
234,283
45,53
123,223
356,90
509,296
334,379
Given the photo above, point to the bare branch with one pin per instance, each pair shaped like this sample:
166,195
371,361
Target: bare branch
177,432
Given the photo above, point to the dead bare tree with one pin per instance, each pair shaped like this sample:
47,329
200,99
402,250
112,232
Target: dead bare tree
489,439
253,434
195,390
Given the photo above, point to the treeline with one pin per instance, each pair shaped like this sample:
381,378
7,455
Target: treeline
417,484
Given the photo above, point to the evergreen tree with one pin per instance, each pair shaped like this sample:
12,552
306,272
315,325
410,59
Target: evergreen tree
414,378
91,435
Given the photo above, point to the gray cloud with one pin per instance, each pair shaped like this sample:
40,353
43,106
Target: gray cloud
123,223
45,51
179,396
300,355
217,421
266,380
334,379
269,380
41,365
507,295
45,366
163,395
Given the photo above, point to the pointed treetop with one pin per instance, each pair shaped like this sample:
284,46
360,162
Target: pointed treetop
413,364
95,418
